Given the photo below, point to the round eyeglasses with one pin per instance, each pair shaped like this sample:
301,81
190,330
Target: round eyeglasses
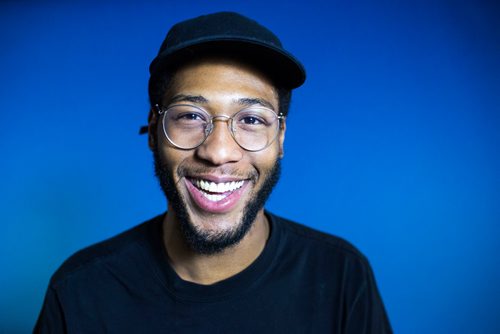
187,126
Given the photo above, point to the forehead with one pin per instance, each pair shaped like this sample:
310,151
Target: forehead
221,80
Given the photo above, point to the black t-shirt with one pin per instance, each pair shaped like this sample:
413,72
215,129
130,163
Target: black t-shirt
304,281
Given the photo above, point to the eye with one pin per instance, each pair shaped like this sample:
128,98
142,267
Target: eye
189,116
186,115
251,120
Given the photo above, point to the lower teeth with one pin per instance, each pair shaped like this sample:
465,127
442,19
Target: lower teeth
214,197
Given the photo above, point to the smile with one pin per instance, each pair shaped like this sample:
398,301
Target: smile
215,197
217,191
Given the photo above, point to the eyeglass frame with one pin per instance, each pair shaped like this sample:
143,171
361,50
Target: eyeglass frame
162,111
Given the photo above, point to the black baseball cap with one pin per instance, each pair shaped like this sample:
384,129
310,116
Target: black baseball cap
235,34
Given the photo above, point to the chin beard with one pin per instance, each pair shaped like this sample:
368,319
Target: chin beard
209,242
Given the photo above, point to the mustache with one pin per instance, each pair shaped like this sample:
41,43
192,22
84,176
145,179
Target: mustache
189,171
192,169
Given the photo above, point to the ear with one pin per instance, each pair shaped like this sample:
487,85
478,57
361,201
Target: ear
152,126
281,138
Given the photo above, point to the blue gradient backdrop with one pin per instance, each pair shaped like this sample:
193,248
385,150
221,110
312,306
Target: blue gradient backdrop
392,143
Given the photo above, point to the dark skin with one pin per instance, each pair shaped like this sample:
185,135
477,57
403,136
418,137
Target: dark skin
222,87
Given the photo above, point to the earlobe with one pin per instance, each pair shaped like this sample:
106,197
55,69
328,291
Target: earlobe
152,118
282,152
282,139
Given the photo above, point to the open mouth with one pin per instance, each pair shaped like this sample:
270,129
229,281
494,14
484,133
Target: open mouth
216,197
216,191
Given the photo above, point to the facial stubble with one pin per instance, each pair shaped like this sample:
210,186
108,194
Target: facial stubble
205,242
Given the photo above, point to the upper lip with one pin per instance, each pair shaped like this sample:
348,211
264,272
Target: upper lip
216,178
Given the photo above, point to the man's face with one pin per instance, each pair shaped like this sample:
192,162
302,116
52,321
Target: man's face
217,189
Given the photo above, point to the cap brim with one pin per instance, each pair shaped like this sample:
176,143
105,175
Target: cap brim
280,65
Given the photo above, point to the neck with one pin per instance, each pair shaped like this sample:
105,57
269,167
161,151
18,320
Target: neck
208,269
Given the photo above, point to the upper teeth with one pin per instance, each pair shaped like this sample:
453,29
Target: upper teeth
218,187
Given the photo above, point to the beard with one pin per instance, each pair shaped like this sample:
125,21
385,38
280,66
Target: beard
209,242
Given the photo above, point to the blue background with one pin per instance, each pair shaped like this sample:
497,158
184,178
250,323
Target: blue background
392,143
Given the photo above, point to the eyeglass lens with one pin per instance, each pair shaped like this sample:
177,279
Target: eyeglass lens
187,126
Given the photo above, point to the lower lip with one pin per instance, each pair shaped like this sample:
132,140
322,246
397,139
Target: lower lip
224,205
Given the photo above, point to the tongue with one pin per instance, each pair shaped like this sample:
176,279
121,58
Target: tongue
230,200
213,192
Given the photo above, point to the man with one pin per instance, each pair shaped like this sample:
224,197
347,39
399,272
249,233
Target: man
216,262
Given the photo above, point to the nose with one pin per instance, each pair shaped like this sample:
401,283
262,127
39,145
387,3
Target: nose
220,147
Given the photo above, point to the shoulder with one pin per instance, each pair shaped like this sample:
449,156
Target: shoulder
103,252
313,241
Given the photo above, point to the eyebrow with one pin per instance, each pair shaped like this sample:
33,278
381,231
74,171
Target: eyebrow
188,98
245,101
253,101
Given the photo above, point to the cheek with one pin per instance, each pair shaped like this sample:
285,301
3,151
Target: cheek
170,158
265,160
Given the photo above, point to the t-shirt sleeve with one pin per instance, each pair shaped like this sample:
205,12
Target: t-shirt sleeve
367,314
51,318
